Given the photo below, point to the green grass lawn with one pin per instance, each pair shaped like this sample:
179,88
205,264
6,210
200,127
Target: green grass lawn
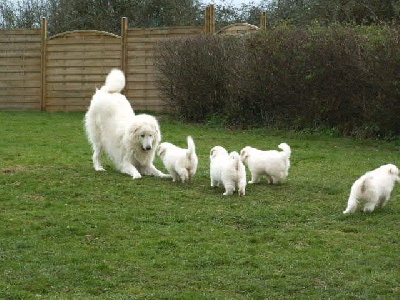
69,232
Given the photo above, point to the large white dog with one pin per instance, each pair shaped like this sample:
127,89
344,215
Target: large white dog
180,163
111,125
227,169
373,189
272,163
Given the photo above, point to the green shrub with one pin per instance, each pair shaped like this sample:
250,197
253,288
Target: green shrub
339,77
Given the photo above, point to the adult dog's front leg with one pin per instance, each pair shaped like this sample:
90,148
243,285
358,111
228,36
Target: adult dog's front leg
128,168
152,170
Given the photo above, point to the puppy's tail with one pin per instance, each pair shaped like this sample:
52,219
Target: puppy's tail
286,148
236,157
115,81
191,151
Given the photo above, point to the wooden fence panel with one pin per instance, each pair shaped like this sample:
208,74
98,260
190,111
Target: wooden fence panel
61,73
142,76
20,69
76,63
238,29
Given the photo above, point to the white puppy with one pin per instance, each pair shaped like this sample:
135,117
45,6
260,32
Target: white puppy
218,158
273,164
180,163
373,189
227,169
111,125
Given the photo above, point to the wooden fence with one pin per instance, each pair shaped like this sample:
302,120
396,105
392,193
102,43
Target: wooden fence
61,73
20,69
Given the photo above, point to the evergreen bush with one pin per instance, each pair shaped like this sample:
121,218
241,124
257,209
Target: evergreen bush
342,77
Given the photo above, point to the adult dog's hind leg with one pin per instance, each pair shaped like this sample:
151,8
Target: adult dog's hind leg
97,151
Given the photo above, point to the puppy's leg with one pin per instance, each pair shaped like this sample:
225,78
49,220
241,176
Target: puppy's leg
229,188
369,206
183,174
279,178
214,182
242,185
97,151
175,175
255,177
242,190
384,200
272,180
372,200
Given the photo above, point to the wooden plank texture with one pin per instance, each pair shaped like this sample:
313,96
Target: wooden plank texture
75,63
20,55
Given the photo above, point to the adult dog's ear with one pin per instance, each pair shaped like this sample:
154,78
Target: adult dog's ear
133,129
157,135
132,133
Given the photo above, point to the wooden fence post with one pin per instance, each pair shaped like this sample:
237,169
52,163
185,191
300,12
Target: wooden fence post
263,20
43,64
212,17
210,20
207,20
124,55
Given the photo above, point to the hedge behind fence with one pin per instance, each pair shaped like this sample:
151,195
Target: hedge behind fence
347,78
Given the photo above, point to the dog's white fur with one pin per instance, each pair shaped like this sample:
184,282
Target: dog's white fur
227,169
180,163
373,189
111,125
272,163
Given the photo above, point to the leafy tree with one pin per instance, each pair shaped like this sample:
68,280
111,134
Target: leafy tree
65,15
7,15
226,13
22,14
106,14
303,12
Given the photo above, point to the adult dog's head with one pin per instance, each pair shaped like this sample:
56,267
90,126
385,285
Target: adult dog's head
146,132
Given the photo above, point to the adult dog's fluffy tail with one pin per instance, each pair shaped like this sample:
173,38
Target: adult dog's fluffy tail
191,152
286,148
115,81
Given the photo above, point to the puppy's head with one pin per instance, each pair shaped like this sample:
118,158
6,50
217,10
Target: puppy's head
161,150
217,150
244,154
394,172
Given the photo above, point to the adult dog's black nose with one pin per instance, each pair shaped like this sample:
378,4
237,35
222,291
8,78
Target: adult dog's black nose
148,148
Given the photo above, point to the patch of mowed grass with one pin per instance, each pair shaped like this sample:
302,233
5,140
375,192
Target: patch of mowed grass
68,232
